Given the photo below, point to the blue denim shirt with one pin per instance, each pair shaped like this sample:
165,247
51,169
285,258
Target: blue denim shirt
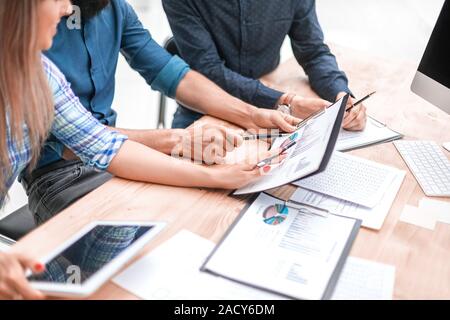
88,58
235,42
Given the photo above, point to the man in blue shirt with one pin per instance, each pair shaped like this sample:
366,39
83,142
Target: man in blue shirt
86,49
234,43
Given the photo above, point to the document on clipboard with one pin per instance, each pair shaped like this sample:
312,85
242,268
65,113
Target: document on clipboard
374,133
315,142
285,248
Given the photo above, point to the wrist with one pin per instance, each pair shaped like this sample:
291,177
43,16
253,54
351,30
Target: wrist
285,103
286,99
341,94
211,177
177,136
249,121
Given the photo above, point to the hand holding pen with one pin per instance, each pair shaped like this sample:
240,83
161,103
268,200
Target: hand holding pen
280,152
355,118
360,101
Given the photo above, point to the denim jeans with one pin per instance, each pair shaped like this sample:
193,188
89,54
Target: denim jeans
53,188
184,117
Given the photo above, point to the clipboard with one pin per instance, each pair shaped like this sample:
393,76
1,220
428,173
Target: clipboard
262,184
332,281
393,136
333,138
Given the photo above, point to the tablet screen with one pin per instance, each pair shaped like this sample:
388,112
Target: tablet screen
90,253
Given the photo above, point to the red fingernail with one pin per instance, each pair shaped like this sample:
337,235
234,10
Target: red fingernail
266,169
39,267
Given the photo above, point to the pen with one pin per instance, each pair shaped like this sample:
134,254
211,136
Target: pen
360,101
283,149
265,136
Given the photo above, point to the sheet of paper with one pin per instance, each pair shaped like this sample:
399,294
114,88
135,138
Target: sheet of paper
374,132
283,249
3,247
365,280
371,217
418,217
351,178
439,209
172,271
160,275
302,159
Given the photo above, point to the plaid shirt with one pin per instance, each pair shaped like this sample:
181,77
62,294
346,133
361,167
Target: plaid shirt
91,141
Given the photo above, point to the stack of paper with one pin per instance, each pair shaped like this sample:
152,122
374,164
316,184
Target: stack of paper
352,187
172,272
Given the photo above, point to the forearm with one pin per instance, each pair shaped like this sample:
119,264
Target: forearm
137,162
164,140
201,94
325,77
328,84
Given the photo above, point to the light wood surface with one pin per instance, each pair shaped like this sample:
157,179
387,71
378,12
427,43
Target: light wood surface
421,256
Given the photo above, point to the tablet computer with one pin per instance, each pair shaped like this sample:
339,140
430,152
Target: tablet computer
79,266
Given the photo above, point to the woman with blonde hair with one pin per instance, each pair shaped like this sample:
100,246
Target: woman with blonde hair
35,100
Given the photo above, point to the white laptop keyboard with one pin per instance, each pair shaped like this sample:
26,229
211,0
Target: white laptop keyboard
429,165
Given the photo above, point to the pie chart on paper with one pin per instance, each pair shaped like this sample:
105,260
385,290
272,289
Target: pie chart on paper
276,214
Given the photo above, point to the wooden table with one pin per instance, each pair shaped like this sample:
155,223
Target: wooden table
421,256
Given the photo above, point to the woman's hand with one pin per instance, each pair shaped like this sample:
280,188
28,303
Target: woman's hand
304,107
13,283
235,176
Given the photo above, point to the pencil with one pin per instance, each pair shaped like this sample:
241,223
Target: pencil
265,136
360,101
283,149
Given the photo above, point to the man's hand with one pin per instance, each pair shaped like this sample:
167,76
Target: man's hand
208,143
273,119
303,107
355,119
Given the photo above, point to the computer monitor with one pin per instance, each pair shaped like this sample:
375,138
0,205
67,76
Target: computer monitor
432,80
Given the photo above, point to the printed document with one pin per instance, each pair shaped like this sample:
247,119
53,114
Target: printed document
302,159
285,250
374,133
